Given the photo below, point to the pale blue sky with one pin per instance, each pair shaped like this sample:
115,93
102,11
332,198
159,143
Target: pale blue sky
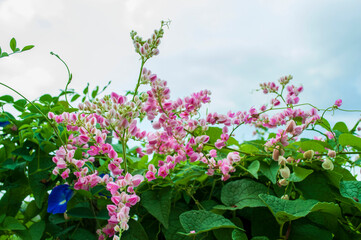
228,47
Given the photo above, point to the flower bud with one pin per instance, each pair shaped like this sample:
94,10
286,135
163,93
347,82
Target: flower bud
155,51
309,154
285,197
282,182
281,160
290,159
331,153
290,126
285,172
275,154
327,164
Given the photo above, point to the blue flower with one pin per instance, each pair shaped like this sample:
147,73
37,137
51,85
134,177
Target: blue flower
58,199
3,124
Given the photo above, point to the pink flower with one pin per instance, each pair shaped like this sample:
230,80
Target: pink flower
137,179
163,171
338,103
150,176
219,144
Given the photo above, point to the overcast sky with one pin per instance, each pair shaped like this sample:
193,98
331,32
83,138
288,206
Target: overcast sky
228,47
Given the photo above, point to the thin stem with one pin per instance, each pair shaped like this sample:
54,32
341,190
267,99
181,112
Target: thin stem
124,152
69,75
139,77
47,119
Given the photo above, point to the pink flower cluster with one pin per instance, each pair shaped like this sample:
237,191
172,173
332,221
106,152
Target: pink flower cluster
224,166
123,198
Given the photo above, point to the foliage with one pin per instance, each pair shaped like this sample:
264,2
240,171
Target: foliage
188,177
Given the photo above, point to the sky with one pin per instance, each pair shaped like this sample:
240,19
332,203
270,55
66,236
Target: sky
228,47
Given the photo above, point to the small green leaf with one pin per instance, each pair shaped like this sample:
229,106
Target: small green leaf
20,105
26,48
253,168
238,235
11,223
242,193
95,92
203,221
86,89
75,97
158,203
4,54
324,123
340,126
351,140
36,230
7,98
46,98
248,148
270,171
13,44
289,210
299,174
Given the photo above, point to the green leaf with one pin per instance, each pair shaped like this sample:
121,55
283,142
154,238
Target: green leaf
46,98
36,230
188,173
238,235
31,211
2,217
304,230
215,133
95,92
351,190
135,231
24,152
340,126
324,123
4,54
253,168
86,89
26,48
11,223
299,174
289,210
269,226
78,154
249,148
20,105
242,193
317,146
75,97
317,186
81,233
171,233
13,44
223,233
158,202
270,171
85,212
7,98
203,221
351,140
